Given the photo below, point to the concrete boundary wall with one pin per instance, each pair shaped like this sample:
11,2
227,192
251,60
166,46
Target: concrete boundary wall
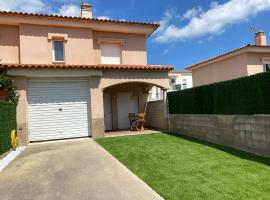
156,116
250,133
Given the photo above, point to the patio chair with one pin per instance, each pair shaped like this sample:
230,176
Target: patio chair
141,120
133,121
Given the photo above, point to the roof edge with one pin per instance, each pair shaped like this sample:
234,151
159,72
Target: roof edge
155,24
223,56
97,66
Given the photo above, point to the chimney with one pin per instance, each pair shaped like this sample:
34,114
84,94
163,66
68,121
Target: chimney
260,38
86,11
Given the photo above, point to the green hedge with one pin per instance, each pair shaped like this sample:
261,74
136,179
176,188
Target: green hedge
242,96
7,123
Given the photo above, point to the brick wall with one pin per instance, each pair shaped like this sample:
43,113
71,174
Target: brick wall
245,132
155,115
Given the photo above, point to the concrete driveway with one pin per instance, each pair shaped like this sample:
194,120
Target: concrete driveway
77,169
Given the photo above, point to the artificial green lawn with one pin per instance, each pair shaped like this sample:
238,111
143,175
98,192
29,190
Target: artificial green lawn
181,168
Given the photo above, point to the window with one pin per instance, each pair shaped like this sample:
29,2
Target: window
172,80
184,83
58,51
266,67
172,83
157,93
110,54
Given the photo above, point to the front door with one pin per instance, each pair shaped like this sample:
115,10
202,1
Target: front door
126,103
107,112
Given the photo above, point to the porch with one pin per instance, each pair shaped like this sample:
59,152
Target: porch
122,100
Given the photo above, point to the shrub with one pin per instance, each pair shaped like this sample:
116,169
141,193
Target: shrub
7,84
243,96
7,123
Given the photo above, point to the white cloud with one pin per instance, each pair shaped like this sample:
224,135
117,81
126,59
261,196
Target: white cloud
213,21
166,19
33,6
193,12
37,6
104,17
69,10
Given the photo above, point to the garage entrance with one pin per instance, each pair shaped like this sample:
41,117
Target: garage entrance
58,108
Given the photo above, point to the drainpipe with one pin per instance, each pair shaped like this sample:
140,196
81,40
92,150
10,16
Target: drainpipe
166,109
168,115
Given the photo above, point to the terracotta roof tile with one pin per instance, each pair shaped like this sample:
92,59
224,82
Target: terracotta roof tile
98,66
155,24
224,54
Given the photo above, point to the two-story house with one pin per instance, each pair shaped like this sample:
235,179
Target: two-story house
76,76
244,61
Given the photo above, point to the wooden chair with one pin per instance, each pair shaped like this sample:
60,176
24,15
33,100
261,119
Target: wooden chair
133,121
141,120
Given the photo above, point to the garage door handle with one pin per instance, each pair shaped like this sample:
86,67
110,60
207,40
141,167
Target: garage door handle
60,109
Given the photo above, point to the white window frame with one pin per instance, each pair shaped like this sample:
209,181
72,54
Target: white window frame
53,51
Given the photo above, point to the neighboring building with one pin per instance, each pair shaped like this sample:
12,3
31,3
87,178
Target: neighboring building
179,80
76,76
155,94
245,61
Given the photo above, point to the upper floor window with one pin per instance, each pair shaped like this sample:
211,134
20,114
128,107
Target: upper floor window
110,53
58,51
266,67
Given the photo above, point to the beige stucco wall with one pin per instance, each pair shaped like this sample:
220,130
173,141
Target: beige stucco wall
230,68
96,110
124,80
34,43
81,46
133,48
9,44
22,121
98,82
113,77
255,62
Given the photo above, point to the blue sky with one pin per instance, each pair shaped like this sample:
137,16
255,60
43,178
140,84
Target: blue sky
191,30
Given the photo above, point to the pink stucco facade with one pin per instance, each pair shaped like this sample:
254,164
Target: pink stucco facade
245,62
27,40
25,43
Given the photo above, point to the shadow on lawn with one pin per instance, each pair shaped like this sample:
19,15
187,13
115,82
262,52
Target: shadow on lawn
230,150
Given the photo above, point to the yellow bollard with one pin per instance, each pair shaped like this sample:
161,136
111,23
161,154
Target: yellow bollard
13,139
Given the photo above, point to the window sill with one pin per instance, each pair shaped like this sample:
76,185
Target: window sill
58,62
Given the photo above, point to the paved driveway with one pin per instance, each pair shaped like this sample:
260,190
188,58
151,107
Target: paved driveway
70,170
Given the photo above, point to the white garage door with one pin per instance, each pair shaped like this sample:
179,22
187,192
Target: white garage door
57,108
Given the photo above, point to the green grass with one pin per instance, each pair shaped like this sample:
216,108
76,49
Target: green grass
182,168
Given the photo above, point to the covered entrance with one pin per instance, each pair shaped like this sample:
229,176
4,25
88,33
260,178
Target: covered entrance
122,99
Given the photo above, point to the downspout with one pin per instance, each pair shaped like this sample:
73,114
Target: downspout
168,113
166,109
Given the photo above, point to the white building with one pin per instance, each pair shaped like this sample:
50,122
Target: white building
179,80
